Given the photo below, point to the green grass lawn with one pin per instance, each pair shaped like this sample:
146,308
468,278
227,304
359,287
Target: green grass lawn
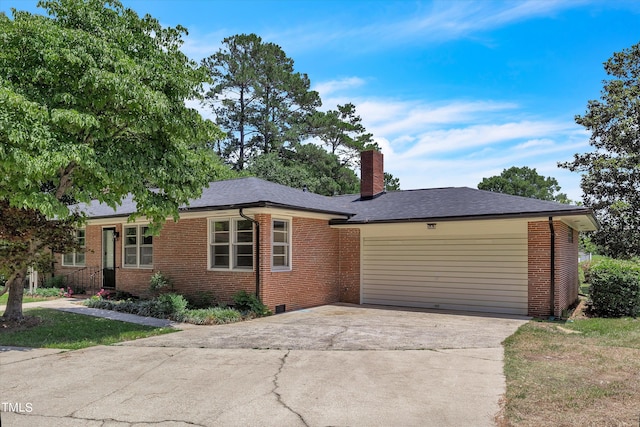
585,372
26,298
71,331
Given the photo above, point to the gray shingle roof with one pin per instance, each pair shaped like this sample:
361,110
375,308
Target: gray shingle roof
409,205
449,203
236,193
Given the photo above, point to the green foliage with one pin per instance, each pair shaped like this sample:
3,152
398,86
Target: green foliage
92,107
306,165
168,306
391,183
258,99
48,292
158,282
212,316
246,302
55,282
615,288
201,299
342,132
525,182
171,306
610,174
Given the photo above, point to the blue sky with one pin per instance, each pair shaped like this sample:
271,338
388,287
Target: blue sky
453,91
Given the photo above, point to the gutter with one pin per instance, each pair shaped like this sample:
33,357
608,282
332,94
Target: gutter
257,224
552,291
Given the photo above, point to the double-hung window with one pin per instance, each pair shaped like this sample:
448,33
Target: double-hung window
231,244
76,258
281,245
138,247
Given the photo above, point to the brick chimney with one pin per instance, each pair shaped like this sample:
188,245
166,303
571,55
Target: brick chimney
371,174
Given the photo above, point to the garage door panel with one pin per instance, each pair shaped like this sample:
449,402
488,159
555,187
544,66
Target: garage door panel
410,269
476,274
449,283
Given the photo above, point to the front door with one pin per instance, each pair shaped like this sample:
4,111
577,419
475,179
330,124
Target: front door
109,258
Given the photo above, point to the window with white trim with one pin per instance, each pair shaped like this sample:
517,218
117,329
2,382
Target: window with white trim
231,244
138,247
76,258
280,245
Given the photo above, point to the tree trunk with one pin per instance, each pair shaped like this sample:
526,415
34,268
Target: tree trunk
16,291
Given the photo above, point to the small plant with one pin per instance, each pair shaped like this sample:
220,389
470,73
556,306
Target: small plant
102,293
159,282
246,302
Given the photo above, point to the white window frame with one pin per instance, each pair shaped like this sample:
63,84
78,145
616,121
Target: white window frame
139,245
287,244
233,245
76,254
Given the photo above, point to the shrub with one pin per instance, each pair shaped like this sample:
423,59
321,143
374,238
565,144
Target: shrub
171,306
47,292
158,282
201,300
615,288
246,302
97,302
212,316
54,282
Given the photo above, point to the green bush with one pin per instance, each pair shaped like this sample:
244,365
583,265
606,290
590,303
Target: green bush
212,316
158,282
167,306
48,292
246,302
201,300
171,306
55,282
615,288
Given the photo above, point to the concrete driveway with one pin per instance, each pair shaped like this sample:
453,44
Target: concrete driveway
332,365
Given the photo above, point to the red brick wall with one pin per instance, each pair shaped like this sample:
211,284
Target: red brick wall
180,252
349,265
313,279
566,268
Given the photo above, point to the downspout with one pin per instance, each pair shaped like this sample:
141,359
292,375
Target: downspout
552,291
257,224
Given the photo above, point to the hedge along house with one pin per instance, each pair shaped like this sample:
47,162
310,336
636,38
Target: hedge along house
447,248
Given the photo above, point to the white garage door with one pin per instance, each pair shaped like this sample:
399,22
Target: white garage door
478,273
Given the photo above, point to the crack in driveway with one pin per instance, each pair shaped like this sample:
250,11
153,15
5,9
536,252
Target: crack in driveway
129,383
276,386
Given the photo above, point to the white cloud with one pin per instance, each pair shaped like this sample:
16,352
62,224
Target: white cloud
330,87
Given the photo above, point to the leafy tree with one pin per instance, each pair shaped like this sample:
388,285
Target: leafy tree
525,182
391,183
257,97
306,166
342,132
92,107
611,173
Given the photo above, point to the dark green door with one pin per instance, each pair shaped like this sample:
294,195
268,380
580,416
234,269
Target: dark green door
109,258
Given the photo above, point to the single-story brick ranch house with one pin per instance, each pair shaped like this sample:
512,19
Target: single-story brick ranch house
447,248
